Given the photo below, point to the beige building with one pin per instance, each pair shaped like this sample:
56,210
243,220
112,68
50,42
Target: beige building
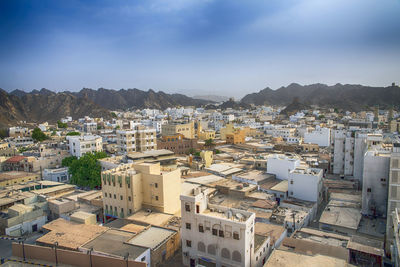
138,140
187,129
393,193
131,187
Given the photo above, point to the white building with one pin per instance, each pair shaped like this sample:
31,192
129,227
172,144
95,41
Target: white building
281,165
393,193
90,127
375,181
218,236
306,184
320,136
137,140
80,145
228,118
56,175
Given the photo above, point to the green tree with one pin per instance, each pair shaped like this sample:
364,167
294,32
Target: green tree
113,115
73,133
209,143
85,171
61,124
3,133
38,135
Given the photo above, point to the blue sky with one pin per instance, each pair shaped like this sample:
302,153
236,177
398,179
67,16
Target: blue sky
225,47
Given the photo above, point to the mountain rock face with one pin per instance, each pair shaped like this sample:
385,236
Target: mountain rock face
45,105
213,98
347,97
137,99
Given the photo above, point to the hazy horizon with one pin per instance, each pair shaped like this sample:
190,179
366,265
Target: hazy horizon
197,47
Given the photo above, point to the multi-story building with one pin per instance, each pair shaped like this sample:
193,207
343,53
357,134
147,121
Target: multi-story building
349,150
375,180
138,140
187,129
177,143
393,243
80,145
320,136
306,184
393,194
90,127
131,187
238,137
18,131
56,175
281,165
214,235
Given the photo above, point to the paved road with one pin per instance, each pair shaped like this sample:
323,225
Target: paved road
5,245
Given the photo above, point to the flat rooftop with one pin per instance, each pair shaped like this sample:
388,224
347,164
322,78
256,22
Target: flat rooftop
113,242
281,186
341,215
150,218
5,176
152,237
256,176
282,258
68,234
267,229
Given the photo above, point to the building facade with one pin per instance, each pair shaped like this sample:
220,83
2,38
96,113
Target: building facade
131,187
138,140
80,145
187,129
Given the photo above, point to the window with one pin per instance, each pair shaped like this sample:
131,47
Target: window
221,233
225,253
369,190
211,249
201,247
121,197
214,231
188,243
130,211
291,181
236,235
156,185
157,198
236,256
188,226
201,228
187,207
130,198
115,196
143,259
105,194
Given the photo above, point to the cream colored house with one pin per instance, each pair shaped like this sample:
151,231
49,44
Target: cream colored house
131,187
187,129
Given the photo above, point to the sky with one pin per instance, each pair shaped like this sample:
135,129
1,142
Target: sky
197,47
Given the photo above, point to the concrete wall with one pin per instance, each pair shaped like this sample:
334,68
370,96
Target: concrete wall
74,258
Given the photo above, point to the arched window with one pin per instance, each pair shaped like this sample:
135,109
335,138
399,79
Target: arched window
201,247
211,249
225,253
217,230
236,256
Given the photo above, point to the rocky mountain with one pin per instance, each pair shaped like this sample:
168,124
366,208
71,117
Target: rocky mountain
45,105
213,98
342,96
294,107
137,99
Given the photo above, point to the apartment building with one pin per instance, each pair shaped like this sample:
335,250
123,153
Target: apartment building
281,165
320,136
137,140
177,143
214,235
131,187
187,129
306,184
393,194
375,183
80,145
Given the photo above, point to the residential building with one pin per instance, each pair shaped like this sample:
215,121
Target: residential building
393,194
187,129
237,137
80,145
306,184
281,165
16,177
177,143
90,127
138,140
18,131
56,175
131,187
375,183
320,136
214,235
